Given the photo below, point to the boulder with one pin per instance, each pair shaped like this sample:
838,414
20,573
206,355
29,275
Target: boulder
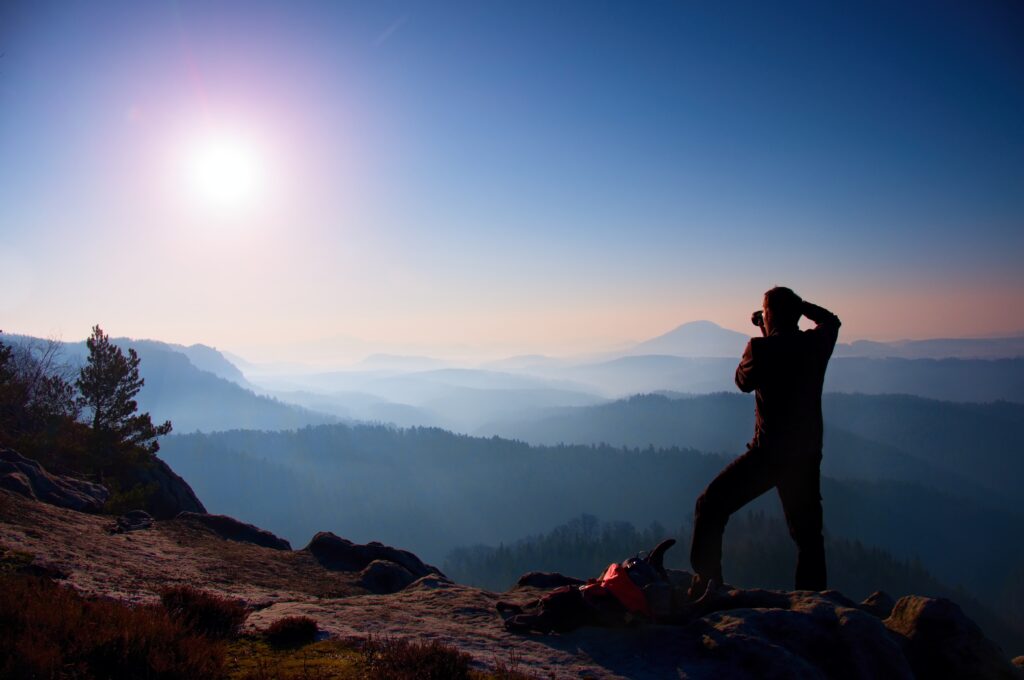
339,554
384,577
18,483
433,582
878,604
171,494
28,478
809,636
232,529
940,641
136,520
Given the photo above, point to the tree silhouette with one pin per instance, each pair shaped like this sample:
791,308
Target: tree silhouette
108,384
35,398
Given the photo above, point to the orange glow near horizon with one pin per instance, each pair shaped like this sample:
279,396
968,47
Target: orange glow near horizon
337,336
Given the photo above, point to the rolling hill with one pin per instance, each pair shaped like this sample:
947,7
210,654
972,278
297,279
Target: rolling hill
194,399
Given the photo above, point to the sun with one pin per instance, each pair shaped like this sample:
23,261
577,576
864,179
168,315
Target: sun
224,171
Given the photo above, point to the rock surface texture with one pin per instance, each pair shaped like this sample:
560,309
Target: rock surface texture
26,477
343,555
136,520
382,576
171,494
939,641
741,634
231,529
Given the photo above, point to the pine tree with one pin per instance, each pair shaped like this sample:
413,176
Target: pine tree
108,384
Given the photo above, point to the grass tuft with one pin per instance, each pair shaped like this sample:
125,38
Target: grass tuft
291,632
401,659
204,613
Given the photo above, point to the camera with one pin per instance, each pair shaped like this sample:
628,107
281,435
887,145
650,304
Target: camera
757,318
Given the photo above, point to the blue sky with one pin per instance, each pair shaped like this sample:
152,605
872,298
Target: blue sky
549,177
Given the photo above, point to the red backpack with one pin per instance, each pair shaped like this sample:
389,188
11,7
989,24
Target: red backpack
635,590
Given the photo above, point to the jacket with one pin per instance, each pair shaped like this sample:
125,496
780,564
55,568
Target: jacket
786,371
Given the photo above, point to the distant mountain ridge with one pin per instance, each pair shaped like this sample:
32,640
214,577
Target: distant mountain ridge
961,380
212,361
937,348
966,449
708,339
192,387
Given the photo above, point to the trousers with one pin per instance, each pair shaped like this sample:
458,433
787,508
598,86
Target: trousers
797,477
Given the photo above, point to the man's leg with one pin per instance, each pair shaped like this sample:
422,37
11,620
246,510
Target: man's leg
743,480
800,492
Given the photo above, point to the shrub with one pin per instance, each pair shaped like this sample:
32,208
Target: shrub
204,613
47,631
399,659
137,497
291,631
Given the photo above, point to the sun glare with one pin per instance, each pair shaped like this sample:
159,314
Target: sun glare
224,172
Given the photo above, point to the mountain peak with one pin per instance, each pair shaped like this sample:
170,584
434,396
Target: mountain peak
699,338
698,324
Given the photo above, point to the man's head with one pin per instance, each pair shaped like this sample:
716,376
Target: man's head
781,309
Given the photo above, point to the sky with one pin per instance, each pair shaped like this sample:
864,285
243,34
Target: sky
293,179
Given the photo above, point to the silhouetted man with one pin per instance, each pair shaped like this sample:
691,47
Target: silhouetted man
786,369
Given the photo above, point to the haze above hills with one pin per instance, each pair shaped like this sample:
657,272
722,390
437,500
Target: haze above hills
694,339
707,339
199,388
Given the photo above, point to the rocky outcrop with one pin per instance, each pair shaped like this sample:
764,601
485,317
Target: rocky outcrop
168,494
878,604
171,494
232,529
940,641
741,634
805,634
756,633
17,482
340,554
136,520
382,577
28,478
811,636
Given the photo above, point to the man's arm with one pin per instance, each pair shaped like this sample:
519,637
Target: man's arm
745,375
826,323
